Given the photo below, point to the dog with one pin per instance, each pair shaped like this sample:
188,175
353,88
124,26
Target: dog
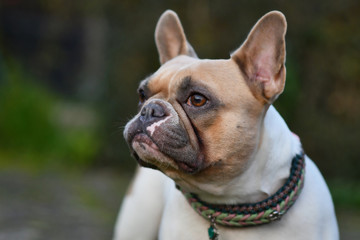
219,162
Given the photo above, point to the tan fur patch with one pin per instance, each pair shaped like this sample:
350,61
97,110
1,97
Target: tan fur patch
234,125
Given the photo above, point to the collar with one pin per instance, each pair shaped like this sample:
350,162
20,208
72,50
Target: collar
250,214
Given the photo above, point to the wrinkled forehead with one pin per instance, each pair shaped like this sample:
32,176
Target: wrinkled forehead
169,75
182,70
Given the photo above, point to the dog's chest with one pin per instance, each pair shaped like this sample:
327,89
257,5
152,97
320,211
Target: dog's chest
180,221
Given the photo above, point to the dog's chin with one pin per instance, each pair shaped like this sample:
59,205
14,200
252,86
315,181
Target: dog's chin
148,154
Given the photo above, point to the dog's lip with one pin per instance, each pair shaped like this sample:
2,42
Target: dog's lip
188,168
143,163
146,139
143,138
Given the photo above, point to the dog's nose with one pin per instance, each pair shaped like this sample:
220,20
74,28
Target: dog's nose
152,112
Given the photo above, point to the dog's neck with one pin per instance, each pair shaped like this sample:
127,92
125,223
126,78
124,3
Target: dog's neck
268,169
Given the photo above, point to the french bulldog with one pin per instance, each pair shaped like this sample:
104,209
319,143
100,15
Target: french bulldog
208,128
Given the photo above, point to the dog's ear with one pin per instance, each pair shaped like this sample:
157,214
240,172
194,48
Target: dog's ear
262,57
170,38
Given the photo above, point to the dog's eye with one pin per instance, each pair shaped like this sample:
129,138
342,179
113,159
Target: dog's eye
142,96
196,100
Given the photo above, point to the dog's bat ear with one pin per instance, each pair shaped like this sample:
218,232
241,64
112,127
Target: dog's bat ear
262,57
170,38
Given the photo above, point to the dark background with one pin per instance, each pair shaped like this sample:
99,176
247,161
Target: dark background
68,77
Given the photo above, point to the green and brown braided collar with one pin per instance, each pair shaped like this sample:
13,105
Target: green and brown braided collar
250,214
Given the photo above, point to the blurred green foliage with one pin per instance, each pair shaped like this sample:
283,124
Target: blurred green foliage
31,131
346,194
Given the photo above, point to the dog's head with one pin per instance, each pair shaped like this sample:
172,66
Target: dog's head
200,120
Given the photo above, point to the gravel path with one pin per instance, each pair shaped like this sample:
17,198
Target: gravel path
59,206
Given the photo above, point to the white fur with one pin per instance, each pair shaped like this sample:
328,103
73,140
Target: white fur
155,209
153,126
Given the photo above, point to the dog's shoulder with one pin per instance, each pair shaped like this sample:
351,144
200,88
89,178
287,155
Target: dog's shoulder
314,207
144,200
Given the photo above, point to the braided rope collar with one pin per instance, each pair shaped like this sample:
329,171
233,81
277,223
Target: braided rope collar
250,214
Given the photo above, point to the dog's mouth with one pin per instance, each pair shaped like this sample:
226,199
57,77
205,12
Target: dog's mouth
143,163
148,154
143,138
188,168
